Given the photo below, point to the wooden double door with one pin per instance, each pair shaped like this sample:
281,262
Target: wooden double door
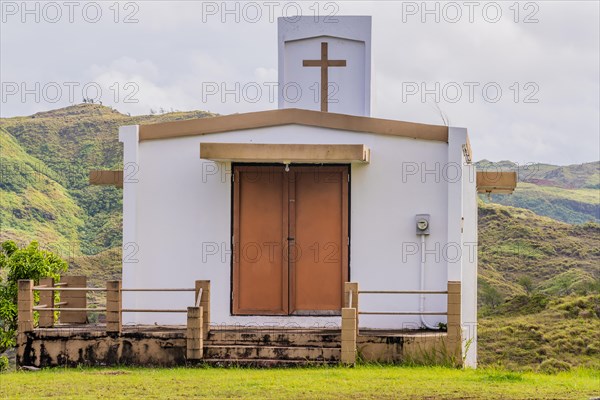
290,239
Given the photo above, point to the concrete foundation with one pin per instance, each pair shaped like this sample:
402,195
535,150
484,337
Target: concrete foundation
145,346
166,346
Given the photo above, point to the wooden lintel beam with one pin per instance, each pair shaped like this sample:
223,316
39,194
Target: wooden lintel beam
99,177
285,153
496,182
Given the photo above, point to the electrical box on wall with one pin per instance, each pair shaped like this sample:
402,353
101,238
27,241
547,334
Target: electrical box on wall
422,224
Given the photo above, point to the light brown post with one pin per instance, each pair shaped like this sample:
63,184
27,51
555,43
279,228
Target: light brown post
204,304
74,299
113,306
348,336
454,325
194,335
24,315
351,287
47,298
25,306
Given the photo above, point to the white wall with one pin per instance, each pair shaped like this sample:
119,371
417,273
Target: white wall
462,230
469,266
347,91
348,38
184,214
129,135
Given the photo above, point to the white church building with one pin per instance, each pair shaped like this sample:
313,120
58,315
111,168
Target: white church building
280,208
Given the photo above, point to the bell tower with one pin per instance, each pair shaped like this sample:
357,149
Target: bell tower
325,64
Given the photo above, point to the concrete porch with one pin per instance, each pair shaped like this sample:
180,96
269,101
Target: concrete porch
91,345
72,341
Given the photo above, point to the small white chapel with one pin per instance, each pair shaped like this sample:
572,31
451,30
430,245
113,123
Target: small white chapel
279,209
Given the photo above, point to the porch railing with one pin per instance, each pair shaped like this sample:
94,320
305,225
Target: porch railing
73,308
351,312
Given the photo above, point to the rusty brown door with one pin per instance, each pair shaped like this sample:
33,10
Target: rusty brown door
260,227
290,251
318,225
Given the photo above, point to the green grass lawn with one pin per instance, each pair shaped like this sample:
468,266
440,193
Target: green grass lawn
313,383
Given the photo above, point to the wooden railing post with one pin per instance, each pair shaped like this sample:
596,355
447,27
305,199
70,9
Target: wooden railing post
46,297
113,307
351,292
454,334
351,287
25,306
74,299
204,303
349,336
194,340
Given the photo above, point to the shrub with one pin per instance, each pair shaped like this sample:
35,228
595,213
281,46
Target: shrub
29,262
3,363
490,296
553,366
525,304
527,284
591,350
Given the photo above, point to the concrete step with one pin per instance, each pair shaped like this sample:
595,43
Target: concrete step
241,352
263,363
273,337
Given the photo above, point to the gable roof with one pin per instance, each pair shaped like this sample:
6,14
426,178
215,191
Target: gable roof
288,116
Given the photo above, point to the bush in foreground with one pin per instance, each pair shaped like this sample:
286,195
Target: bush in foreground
29,262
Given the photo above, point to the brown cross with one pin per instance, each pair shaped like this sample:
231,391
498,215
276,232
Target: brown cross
324,63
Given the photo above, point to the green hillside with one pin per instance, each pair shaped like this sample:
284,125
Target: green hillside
71,141
515,242
568,194
539,290
563,333
34,204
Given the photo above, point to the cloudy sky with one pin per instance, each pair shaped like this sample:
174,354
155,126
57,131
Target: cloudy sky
524,78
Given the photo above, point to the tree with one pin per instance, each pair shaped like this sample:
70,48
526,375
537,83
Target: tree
527,284
29,262
489,295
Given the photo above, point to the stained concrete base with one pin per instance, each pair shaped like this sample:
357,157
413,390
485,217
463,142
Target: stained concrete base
90,345
386,346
